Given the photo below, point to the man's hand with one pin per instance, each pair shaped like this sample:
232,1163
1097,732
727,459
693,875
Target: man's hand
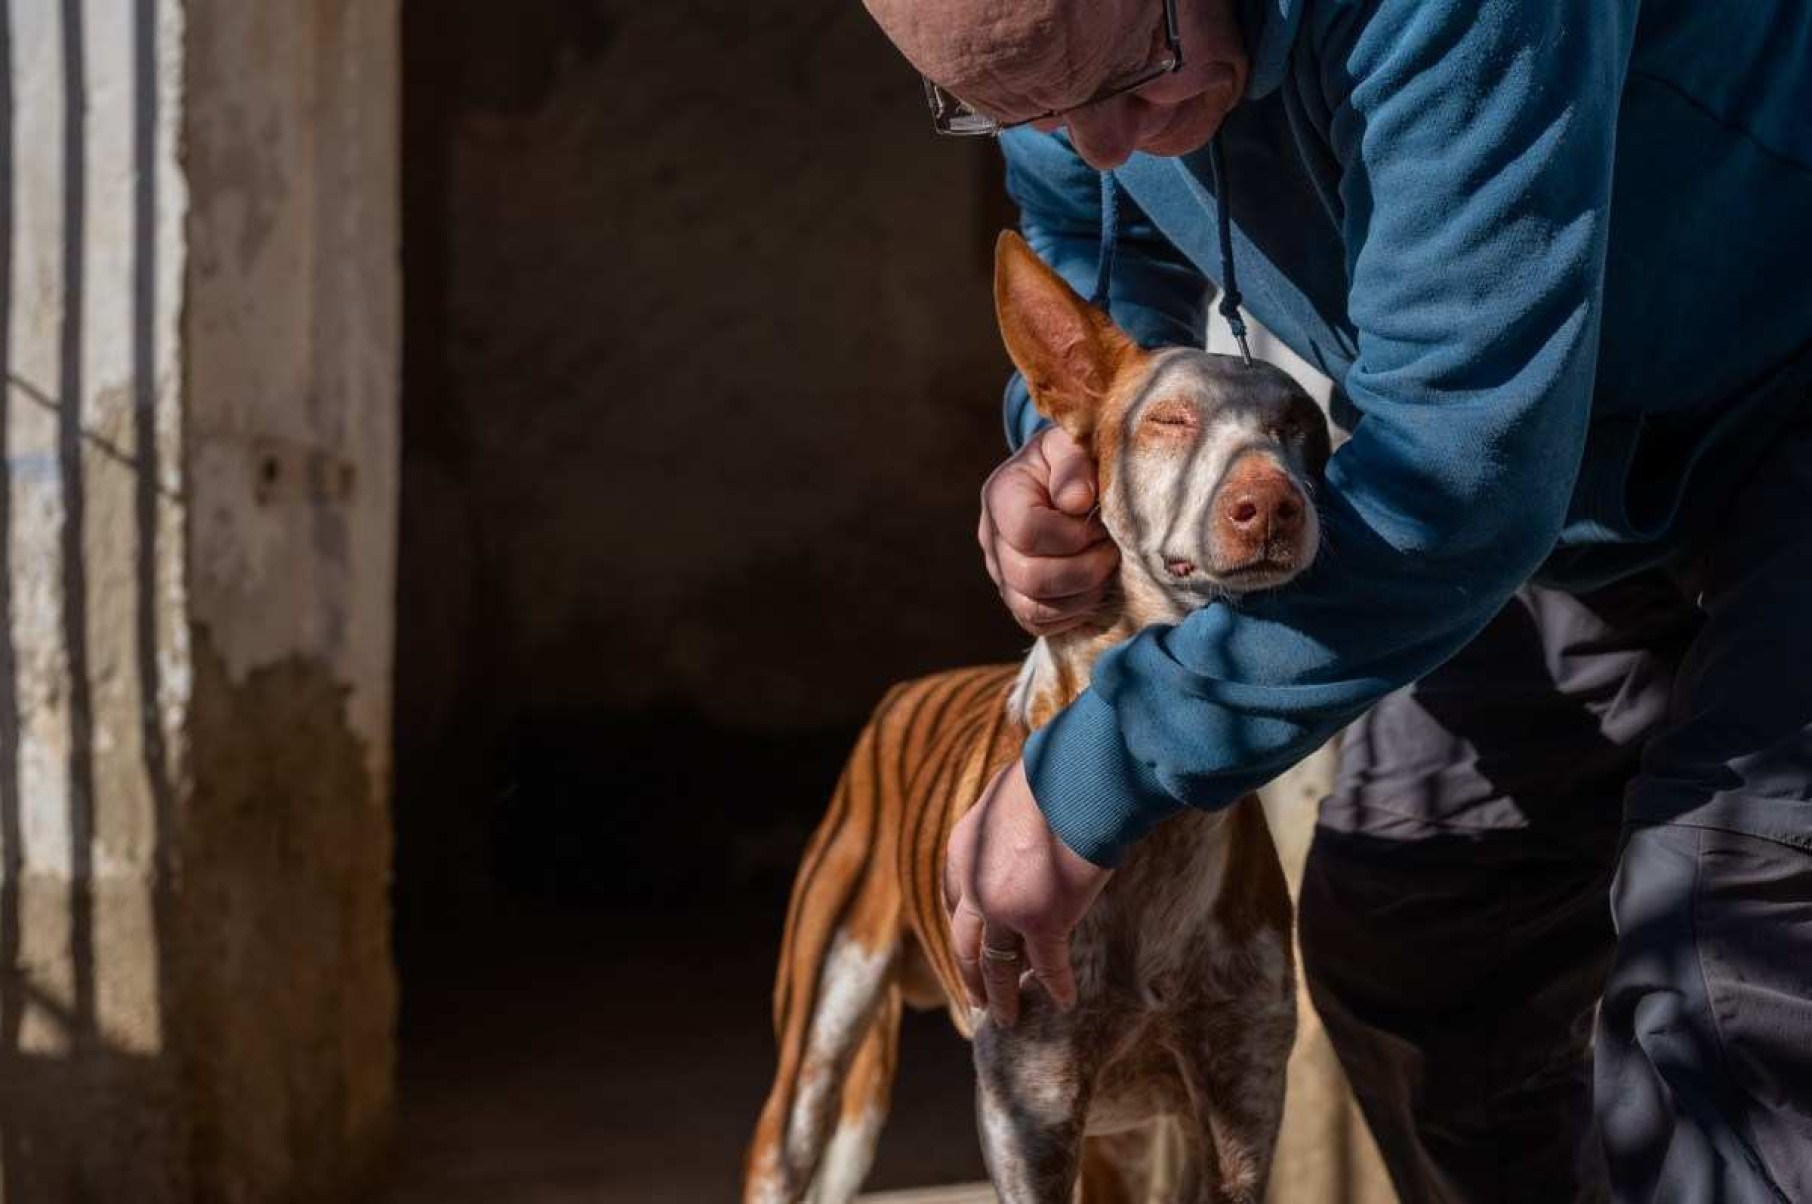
1015,892
1046,548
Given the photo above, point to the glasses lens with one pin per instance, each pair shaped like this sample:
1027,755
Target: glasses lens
952,116
1170,60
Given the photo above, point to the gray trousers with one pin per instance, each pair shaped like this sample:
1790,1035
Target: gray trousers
1557,915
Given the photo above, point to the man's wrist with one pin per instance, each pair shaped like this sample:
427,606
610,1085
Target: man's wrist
1096,795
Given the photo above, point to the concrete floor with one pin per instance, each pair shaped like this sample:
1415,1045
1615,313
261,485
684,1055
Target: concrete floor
566,1056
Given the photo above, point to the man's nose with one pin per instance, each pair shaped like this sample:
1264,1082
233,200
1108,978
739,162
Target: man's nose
1103,134
1258,504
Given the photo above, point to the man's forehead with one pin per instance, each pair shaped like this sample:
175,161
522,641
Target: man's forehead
975,46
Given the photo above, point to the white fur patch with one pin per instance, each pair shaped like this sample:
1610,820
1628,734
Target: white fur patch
848,988
847,1159
1038,665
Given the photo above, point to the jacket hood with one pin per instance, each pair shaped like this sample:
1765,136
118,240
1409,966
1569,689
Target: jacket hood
1270,27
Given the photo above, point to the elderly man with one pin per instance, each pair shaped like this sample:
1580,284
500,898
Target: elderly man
1557,259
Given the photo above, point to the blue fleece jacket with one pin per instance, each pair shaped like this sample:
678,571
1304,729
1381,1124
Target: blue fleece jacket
1557,259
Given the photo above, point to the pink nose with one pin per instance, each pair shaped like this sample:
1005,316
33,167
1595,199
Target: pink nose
1257,508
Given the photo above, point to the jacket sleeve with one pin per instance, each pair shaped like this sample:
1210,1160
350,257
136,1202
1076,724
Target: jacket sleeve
1156,294
1475,148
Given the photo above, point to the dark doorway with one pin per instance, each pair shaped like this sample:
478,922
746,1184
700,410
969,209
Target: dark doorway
699,388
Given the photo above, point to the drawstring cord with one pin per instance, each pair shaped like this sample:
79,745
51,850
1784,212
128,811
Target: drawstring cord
1110,239
1223,216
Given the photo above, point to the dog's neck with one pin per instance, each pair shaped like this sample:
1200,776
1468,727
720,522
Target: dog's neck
1059,666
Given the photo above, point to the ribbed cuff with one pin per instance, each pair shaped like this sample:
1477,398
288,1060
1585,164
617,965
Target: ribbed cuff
1094,793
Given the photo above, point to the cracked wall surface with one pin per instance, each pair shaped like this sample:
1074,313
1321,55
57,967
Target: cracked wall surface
199,335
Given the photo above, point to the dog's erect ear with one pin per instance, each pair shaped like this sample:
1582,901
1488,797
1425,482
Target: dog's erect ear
1069,352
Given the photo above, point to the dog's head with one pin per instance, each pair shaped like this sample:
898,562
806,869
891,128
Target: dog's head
1206,465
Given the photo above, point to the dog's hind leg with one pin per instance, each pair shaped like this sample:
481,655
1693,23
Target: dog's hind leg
839,964
867,1092
856,986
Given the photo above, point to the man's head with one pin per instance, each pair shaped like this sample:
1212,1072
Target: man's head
1014,59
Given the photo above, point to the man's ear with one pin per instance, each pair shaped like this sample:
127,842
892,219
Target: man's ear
1069,352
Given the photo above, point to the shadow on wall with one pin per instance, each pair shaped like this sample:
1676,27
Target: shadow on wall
58,1070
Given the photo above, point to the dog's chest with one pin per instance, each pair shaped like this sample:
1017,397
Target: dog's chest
1166,972
1151,933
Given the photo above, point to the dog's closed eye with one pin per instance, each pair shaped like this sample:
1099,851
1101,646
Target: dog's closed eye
1176,417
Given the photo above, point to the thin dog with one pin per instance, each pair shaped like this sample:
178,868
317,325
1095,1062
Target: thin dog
1184,970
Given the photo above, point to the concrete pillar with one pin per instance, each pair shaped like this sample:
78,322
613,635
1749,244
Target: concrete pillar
198,334
1325,1154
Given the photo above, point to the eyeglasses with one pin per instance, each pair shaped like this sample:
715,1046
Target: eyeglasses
954,116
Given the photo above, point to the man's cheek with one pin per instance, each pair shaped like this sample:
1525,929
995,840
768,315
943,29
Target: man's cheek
1188,128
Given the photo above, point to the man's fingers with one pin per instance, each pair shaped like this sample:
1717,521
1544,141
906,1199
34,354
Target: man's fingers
1042,618
1072,480
1053,578
1019,505
965,943
1001,962
1049,960
987,536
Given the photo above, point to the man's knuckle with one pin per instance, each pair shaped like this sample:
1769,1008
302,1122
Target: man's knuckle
1044,582
1012,915
1018,527
1032,612
1039,594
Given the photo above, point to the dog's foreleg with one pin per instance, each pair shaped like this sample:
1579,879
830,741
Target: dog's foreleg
1032,1091
1234,1064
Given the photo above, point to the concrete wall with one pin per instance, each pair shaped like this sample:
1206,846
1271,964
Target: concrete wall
291,351
198,231
702,385
92,669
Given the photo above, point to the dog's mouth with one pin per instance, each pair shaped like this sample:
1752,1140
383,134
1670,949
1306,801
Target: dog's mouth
1263,572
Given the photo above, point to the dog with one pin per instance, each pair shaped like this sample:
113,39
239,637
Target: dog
1166,1081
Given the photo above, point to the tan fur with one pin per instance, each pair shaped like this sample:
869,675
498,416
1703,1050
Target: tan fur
1184,967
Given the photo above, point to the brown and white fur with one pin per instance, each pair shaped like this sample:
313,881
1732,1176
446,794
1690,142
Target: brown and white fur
1184,971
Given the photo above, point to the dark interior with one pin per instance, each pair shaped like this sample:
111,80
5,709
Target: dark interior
700,384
